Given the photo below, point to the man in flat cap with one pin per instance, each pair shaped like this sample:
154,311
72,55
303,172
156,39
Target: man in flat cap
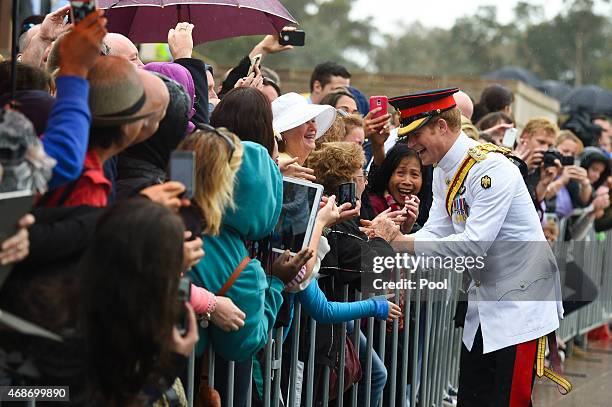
482,209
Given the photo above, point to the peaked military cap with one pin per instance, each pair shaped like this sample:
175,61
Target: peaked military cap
418,108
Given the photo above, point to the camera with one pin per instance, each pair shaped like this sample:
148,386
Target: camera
552,154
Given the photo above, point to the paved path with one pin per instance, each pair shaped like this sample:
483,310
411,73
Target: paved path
590,372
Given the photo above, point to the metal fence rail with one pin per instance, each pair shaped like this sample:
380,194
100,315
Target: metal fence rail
424,376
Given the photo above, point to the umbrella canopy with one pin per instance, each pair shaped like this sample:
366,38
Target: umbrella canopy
590,98
516,73
150,20
555,89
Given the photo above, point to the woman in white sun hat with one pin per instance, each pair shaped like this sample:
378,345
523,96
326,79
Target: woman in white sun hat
299,124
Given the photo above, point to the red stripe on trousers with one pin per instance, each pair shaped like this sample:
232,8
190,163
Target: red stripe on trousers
520,392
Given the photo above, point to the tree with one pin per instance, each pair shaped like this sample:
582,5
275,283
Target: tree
330,35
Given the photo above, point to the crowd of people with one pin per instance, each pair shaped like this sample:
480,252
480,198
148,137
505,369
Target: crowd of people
99,258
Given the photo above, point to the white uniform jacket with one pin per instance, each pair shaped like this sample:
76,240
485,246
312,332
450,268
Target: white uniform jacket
517,296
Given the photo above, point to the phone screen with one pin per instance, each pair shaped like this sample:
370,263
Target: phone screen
79,9
182,169
346,193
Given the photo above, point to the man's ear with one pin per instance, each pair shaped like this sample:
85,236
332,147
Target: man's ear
442,125
316,87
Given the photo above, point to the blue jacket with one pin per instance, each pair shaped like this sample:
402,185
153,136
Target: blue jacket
67,133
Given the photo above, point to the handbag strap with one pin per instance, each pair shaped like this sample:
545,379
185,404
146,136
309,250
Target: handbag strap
232,279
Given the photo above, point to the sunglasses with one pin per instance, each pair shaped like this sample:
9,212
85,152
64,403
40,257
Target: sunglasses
211,129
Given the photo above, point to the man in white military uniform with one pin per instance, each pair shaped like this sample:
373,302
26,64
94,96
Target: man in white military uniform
481,207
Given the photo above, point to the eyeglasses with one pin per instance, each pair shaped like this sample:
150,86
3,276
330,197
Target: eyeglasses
230,143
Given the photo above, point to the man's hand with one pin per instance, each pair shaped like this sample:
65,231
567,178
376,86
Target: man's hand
270,45
53,25
381,226
80,48
17,247
167,194
180,41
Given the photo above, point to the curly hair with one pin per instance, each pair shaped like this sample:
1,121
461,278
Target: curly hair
335,163
352,121
335,133
215,173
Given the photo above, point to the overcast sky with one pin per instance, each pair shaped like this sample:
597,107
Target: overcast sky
386,14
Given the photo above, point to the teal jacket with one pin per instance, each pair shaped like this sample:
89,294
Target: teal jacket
258,197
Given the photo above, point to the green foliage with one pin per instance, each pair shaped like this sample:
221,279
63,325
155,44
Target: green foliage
574,46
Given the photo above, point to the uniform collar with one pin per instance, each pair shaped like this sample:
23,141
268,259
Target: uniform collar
457,152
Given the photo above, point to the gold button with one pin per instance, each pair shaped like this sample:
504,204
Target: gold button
477,283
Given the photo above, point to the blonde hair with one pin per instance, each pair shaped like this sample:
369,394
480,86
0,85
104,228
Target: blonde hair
540,124
568,135
352,121
215,173
336,132
334,163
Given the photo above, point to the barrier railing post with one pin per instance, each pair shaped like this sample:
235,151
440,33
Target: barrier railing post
277,347
230,383
416,372
369,355
340,396
267,388
190,378
405,346
356,340
297,314
311,363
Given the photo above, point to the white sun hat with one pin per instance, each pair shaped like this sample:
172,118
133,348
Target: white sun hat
291,110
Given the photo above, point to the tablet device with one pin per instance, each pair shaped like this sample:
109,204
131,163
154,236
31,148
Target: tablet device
13,206
300,206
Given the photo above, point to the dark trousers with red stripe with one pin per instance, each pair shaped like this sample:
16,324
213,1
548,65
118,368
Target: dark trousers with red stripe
503,378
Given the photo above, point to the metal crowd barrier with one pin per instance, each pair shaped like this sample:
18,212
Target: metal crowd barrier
440,341
595,258
433,334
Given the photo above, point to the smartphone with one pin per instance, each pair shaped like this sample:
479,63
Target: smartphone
255,61
509,138
182,169
346,193
296,38
184,295
379,101
79,9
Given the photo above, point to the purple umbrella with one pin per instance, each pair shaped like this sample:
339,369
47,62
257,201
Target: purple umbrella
150,20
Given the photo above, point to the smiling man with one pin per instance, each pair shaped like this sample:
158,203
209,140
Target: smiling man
481,207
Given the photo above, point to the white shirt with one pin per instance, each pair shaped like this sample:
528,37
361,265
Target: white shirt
500,210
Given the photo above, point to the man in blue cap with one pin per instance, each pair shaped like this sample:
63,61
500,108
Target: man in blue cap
482,209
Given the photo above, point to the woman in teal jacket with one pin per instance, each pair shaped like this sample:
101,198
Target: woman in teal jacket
258,197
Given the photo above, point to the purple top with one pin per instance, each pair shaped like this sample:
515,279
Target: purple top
564,206
179,74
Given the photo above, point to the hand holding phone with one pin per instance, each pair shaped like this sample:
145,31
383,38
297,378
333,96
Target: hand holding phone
182,169
292,37
79,9
379,101
510,137
255,62
347,194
